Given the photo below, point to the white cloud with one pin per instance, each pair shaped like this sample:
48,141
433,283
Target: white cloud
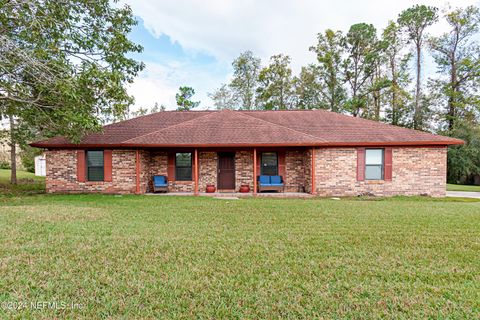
160,82
224,28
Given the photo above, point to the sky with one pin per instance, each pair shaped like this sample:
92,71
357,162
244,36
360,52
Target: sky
193,43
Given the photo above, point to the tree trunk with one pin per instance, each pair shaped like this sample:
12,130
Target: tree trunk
394,93
417,117
13,153
376,103
452,96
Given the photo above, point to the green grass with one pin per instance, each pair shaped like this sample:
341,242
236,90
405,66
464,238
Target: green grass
187,257
27,183
462,187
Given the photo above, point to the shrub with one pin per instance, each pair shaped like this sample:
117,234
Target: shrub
5,165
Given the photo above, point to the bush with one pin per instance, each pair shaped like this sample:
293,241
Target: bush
5,165
28,155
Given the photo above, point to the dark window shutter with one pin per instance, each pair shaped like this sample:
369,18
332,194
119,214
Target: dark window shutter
171,166
360,164
281,164
388,164
81,165
107,165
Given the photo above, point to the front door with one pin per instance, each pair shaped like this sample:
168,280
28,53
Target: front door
226,171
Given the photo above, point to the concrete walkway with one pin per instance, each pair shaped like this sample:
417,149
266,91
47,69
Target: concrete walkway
238,194
463,194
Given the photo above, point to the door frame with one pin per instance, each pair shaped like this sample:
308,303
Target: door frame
233,153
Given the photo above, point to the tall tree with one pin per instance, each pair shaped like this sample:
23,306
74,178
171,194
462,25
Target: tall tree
223,98
64,66
308,88
457,56
414,21
329,50
377,83
184,99
144,111
361,45
245,77
397,61
275,90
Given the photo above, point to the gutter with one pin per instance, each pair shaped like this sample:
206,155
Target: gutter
249,145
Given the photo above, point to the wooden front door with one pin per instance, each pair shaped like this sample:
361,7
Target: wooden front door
226,171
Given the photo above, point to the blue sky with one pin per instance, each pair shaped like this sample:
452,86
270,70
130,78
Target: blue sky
193,43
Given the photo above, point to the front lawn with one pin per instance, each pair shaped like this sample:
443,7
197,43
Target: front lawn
187,257
27,183
462,187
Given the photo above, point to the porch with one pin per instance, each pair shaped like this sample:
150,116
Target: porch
236,195
189,171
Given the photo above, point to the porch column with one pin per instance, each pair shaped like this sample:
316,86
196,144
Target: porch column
254,171
137,171
195,159
314,190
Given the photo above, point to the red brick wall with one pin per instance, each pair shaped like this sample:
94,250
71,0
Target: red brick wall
243,169
415,171
62,173
207,173
295,171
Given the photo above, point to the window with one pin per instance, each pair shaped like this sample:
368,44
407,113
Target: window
183,167
269,164
374,164
95,166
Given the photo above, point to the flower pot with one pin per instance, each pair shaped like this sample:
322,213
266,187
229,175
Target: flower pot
210,188
244,188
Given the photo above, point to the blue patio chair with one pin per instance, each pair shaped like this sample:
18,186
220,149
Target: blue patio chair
160,183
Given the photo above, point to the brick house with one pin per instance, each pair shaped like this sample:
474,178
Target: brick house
315,151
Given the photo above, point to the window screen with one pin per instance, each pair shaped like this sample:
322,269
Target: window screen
95,165
269,164
374,164
183,167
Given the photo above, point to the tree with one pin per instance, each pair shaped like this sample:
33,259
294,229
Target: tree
329,50
308,89
184,97
463,161
63,66
457,56
397,61
414,21
245,79
223,98
362,48
141,111
377,82
158,108
275,90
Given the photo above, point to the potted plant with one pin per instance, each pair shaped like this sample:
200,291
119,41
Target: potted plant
244,188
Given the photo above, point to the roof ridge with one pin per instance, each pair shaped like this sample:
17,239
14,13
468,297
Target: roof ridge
282,126
149,115
168,127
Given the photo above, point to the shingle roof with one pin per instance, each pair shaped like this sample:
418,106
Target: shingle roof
250,128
